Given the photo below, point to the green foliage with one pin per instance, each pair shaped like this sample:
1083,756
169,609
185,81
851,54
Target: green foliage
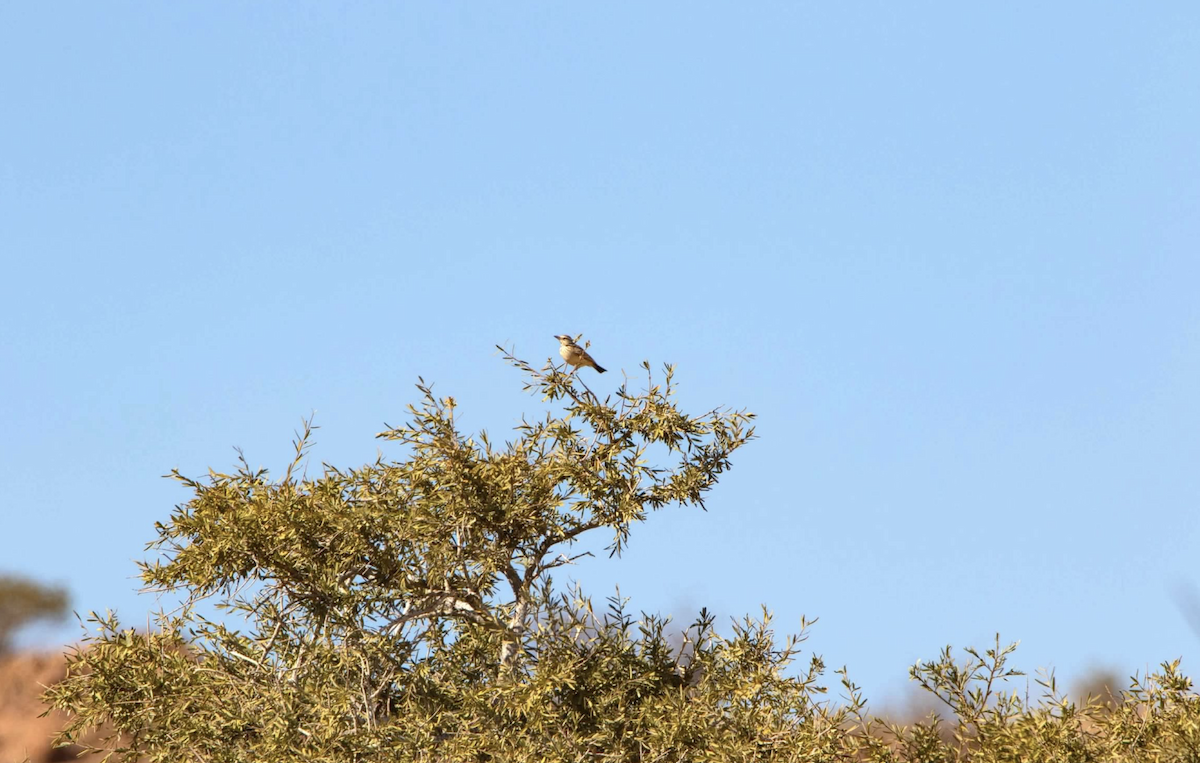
23,602
405,611
1157,718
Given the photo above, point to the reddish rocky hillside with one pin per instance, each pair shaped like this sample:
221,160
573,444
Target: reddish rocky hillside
23,735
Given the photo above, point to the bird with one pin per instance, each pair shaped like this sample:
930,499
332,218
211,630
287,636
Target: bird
574,354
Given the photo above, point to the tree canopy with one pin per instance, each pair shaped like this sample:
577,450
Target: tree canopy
405,610
24,602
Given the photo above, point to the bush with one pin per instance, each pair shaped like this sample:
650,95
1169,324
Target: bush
405,611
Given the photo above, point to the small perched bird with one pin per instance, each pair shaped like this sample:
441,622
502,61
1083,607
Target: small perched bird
574,354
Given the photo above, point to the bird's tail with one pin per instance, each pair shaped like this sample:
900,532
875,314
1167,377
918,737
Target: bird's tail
596,366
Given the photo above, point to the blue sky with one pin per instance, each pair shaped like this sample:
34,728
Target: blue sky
947,253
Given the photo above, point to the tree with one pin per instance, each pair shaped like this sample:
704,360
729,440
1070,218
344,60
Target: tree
23,602
406,609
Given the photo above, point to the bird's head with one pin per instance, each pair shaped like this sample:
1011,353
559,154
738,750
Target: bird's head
564,339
